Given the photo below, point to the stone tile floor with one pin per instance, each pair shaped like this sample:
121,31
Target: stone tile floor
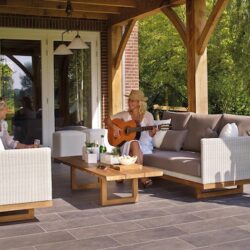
166,217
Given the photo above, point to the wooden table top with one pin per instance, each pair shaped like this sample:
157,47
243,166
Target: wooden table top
109,174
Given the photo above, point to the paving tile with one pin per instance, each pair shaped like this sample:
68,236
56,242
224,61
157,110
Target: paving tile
235,245
100,230
79,214
167,220
209,225
88,244
24,248
16,230
166,244
216,237
55,209
193,207
135,215
223,212
79,222
245,217
34,239
145,205
48,217
147,235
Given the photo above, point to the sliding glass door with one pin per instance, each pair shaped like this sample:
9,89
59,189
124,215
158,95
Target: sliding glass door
20,86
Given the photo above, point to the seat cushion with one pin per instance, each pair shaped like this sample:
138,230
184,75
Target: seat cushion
200,126
184,162
242,122
178,119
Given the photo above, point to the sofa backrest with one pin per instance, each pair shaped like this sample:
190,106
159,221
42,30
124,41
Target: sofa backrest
179,120
242,122
204,126
200,126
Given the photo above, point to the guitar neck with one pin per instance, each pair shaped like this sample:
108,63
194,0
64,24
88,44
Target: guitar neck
140,129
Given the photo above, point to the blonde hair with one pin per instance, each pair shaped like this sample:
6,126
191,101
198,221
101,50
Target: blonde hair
143,107
2,105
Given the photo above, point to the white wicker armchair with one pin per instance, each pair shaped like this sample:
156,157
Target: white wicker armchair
25,182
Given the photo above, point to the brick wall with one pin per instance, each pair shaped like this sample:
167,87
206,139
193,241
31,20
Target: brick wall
132,63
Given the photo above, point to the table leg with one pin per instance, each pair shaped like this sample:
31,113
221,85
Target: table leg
104,194
75,185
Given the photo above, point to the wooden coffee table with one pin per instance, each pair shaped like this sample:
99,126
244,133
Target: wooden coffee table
104,176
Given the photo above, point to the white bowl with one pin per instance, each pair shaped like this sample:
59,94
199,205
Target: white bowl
127,160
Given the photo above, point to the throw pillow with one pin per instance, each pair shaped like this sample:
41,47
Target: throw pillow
1,145
197,129
160,122
179,120
242,122
158,138
229,130
173,140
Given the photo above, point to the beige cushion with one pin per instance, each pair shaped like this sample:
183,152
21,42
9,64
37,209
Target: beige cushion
242,122
198,127
183,162
178,119
173,140
158,138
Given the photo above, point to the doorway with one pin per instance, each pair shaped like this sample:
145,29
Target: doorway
20,86
58,98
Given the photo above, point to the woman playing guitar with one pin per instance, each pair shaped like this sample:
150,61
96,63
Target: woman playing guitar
137,111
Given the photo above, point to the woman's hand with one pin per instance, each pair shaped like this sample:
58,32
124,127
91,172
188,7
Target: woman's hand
116,131
152,132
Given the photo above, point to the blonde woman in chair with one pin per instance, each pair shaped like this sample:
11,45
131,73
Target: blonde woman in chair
137,111
7,140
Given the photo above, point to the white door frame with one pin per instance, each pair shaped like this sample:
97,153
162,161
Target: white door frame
47,38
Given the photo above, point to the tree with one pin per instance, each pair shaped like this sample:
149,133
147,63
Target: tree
163,61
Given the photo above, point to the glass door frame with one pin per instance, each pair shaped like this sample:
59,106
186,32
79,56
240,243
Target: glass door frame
47,38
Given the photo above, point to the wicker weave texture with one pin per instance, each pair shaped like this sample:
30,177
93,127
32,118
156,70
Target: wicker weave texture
25,176
225,159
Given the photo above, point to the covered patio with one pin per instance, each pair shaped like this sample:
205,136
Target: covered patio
166,216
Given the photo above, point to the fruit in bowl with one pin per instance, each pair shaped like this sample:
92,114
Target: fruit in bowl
127,160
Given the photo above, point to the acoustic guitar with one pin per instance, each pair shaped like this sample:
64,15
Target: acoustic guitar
130,130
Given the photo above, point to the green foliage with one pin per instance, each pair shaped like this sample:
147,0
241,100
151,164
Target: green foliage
163,61
159,56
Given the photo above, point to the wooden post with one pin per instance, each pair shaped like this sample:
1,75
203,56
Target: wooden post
196,64
115,73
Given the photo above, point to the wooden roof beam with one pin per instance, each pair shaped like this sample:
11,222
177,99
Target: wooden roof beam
116,3
123,43
177,22
37,4
144,9
210,25
51,13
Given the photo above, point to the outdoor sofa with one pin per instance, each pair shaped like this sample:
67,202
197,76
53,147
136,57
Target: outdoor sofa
25,182
193,154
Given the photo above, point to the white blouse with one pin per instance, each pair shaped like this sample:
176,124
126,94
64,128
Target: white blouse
7,140
145,141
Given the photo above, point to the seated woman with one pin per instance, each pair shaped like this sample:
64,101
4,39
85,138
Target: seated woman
7,140
137,111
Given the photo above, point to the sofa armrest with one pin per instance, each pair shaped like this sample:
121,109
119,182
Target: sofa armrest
225,159
25,175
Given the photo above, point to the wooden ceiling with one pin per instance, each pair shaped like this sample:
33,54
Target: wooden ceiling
115,11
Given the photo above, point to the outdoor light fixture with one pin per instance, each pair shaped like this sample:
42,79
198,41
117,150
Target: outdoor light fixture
78,43
62,48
